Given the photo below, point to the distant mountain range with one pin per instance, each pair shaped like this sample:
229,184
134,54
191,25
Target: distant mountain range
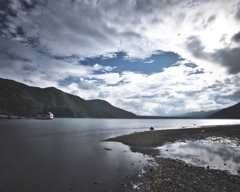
22,100
199,114
231,112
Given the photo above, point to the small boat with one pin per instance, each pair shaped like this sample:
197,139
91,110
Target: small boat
45,115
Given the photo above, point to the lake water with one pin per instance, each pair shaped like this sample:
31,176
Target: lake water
211,153
69,155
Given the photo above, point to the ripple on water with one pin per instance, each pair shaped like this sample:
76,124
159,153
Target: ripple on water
213,153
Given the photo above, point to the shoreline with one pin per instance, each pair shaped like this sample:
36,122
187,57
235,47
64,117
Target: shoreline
176,175
159,137
13,117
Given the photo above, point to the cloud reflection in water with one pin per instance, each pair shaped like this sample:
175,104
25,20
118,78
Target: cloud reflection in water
223,155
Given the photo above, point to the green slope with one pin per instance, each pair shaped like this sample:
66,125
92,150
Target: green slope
22,100
114,111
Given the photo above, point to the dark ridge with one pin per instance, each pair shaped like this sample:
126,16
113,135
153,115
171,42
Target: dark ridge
227,113
22,100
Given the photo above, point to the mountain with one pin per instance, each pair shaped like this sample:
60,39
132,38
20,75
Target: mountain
116,112
199,114
22,100
227,113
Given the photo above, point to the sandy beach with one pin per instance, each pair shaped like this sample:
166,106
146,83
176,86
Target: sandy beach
175,175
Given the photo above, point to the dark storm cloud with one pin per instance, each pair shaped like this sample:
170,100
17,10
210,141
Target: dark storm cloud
226,57
195,46
236,37
74,26
229,58
11,11
55,28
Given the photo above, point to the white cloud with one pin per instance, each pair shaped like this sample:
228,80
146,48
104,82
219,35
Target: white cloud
166,93
108,78
98,67
91,28
137,27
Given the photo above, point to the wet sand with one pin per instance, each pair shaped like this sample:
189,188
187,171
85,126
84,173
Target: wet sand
176,175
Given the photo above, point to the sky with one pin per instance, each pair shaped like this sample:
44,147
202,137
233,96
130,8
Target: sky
150,57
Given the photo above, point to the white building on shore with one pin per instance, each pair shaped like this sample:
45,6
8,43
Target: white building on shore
45,115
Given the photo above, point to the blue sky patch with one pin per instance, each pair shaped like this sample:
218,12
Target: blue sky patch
153,64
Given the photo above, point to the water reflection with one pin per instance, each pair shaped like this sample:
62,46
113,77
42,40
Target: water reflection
66,154
224,155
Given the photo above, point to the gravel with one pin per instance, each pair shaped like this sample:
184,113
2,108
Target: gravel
175,175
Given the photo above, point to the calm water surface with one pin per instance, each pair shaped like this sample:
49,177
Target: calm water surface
212,153
68,155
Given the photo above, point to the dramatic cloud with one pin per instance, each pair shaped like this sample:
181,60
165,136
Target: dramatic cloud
149,57
229,58
236,37
195,46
